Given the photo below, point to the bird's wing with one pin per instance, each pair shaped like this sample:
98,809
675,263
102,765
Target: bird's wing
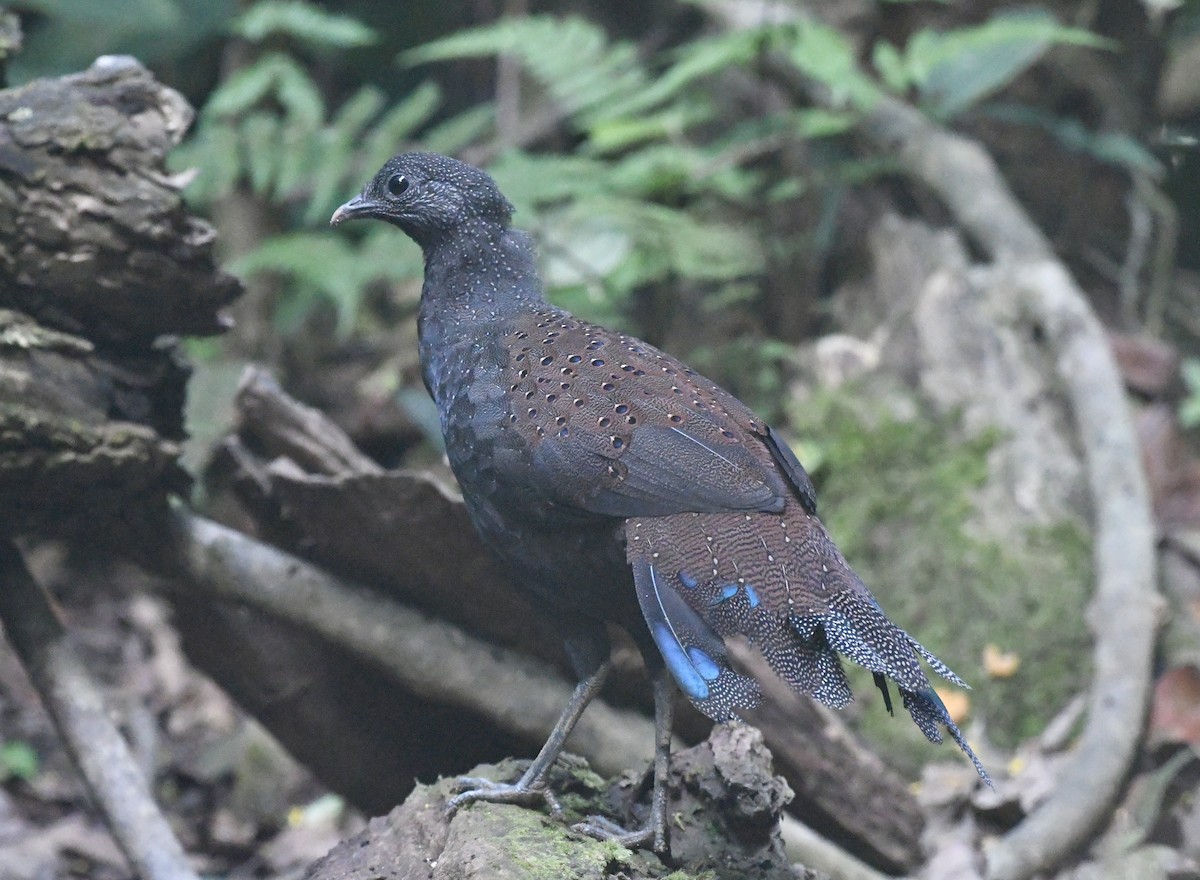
655,470
612,426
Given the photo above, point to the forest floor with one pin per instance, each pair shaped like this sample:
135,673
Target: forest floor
240,804
243,808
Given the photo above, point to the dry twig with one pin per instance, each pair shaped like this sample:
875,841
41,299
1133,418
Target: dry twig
104,760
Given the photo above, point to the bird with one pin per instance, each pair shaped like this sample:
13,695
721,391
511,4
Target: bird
618,486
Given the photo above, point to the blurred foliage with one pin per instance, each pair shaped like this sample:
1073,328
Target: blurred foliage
955,70
63,36
1110,147
303,22
1189,409
18,760
663,188
267,130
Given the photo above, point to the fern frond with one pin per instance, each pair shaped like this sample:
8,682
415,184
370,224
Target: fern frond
572,58
329,268
304,22
398,125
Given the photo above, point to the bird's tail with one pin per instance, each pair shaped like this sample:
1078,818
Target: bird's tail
779,581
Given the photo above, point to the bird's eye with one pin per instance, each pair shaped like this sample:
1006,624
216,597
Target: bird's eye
397,184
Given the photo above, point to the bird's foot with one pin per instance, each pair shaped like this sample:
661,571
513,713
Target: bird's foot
474,788
654,834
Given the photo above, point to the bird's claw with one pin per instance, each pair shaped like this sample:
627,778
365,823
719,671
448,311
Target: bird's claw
606,829
474,788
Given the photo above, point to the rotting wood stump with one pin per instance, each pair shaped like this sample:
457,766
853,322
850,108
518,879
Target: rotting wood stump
101,266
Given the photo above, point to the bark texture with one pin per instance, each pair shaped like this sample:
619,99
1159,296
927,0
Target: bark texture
100,265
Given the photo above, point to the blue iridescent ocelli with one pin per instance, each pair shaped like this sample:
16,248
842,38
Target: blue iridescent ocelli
690,681
703,664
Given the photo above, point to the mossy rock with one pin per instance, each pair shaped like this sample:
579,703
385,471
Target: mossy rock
898,493
724,806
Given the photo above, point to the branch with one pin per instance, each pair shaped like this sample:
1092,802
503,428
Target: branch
962,174
1125,609
808,848
432,659
289,429
97,749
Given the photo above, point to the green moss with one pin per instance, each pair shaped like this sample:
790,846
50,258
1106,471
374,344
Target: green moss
899,498
534,846
578,787
539,849
554,856
583,777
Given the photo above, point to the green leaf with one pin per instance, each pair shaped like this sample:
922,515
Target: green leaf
299,95
673,241
714,252
1113,148
304,22
296,157
352,118
581,249
325,179
18,760
533,181
324,267
320,258
891,66
260,150
321,268
213,152
818,122
618,134
570,57
697,59
956,69
244,88
274,76
822,53
399,123
1189,409
669,171
458,131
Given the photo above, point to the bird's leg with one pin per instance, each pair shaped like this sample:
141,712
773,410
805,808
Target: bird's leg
664,718
531,787
656,827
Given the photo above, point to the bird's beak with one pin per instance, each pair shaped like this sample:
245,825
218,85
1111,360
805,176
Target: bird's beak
356,207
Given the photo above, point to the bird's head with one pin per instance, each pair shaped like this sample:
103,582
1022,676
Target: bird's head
428,196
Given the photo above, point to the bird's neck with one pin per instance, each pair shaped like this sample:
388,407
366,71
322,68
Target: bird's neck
483,271
477,279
